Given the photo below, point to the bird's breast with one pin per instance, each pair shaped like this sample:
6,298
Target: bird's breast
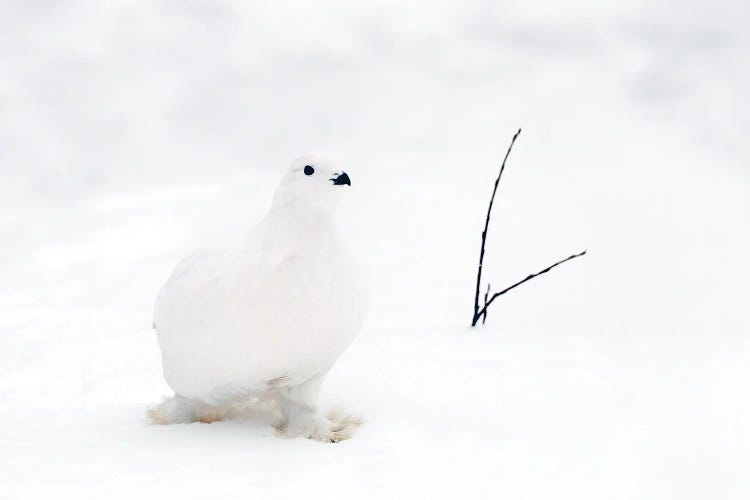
240,329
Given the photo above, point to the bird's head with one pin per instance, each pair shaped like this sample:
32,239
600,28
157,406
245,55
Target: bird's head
311,184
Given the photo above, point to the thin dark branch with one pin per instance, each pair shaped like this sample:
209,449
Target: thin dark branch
482,313
486,294
484,233
527,278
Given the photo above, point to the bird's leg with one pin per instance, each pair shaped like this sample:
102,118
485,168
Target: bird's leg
180,410
300,415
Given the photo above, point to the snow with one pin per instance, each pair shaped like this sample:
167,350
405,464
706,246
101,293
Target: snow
129,130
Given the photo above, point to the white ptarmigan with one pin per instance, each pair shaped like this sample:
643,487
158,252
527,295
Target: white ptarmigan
269,319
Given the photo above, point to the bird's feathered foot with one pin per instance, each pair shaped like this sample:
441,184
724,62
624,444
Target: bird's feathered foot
344,419
338,426
179,410
317,428
300,416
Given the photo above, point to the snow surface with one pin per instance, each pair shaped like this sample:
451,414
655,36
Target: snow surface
133,132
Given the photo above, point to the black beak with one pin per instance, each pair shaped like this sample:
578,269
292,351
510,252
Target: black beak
341,180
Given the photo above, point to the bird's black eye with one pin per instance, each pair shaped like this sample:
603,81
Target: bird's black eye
309,170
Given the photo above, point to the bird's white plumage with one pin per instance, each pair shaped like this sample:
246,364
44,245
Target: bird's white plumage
273,315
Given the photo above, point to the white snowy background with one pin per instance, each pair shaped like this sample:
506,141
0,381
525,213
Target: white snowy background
133,132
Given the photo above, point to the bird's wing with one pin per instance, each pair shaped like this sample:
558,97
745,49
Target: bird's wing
208,282
193,277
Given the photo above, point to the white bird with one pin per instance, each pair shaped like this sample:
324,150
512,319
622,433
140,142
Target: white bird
269,319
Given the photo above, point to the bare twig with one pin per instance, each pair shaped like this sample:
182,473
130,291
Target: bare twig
486,294
482,313
484,233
